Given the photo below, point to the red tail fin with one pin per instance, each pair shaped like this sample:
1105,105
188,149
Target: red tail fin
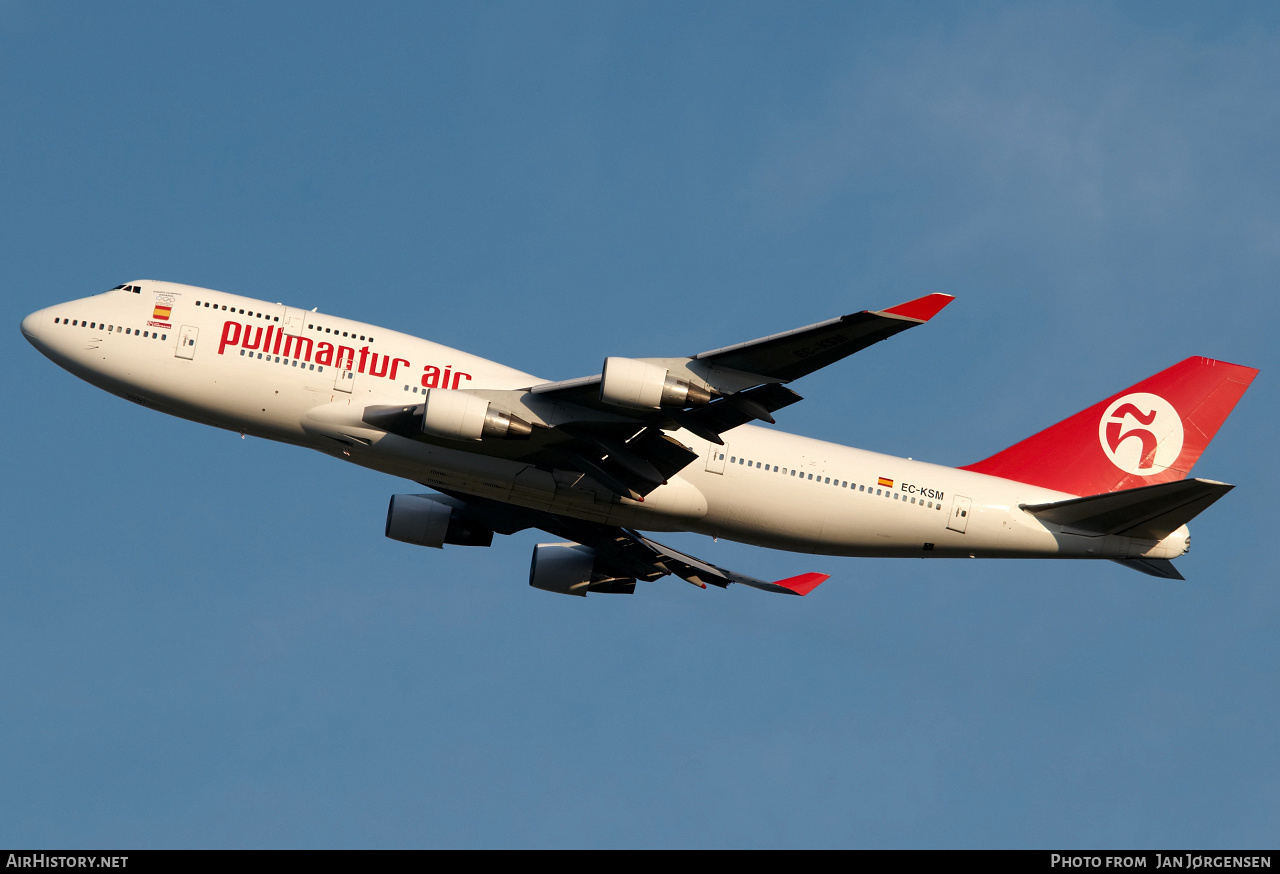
1150,433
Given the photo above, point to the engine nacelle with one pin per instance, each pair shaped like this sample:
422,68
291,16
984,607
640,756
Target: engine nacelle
640,385
457,415
425,521
570,569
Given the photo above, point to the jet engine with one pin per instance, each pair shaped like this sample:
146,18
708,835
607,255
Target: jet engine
428,521
640,385
572,569
461,416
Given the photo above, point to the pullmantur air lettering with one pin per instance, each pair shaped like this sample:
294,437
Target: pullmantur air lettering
277,342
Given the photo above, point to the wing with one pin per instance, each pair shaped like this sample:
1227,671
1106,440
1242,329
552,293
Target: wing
793,354
615,429
779,357
621,556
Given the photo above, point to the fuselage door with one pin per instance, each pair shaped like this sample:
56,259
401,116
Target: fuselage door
295,321
959,520
345,376
715,457
187,335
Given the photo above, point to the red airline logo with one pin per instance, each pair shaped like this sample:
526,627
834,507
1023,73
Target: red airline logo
1141,433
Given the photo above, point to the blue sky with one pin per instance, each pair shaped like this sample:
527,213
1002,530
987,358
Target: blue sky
207,641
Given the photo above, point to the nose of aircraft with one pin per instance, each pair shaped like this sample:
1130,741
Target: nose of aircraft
35,329
29,326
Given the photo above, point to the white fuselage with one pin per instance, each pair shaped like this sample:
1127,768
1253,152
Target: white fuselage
305,378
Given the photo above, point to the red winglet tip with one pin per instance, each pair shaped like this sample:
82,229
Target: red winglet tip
922,308
803,584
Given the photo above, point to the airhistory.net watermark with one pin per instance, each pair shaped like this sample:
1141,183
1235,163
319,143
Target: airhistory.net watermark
42,860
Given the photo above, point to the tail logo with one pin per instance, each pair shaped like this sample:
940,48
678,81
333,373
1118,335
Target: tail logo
1141,433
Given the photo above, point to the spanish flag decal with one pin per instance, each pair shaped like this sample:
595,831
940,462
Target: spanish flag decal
887,483
161,312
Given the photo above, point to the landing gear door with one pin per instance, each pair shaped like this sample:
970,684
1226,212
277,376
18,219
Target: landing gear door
959,520
344,378
715,458
187,335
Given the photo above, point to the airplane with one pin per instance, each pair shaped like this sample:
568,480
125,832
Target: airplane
651,444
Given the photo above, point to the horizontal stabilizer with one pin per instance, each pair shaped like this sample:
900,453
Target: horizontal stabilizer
1148,512
1156,567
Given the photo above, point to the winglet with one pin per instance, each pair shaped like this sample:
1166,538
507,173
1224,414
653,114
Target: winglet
922,309
803,584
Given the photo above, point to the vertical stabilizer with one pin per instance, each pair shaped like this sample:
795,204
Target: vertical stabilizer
1150,433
